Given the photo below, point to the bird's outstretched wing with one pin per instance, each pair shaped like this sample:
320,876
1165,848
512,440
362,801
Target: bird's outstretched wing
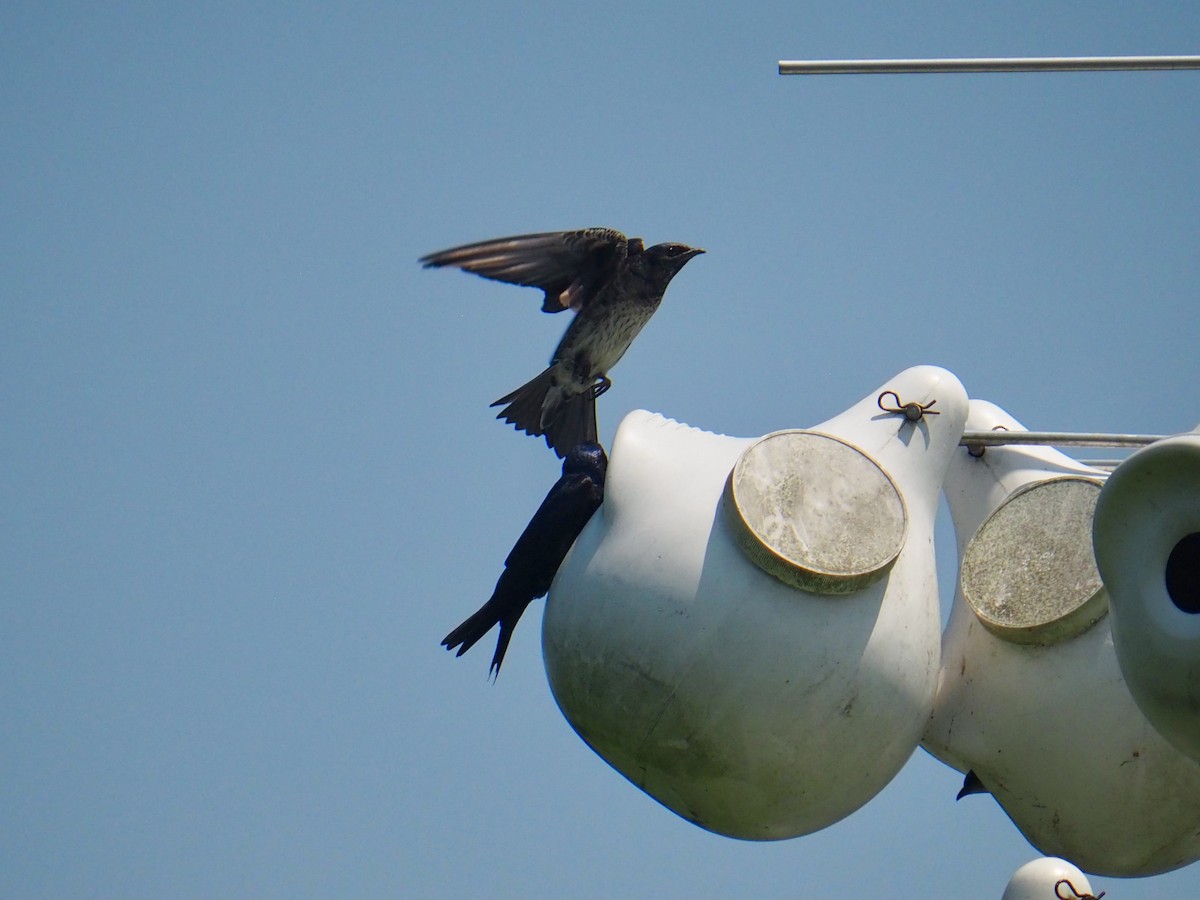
570,266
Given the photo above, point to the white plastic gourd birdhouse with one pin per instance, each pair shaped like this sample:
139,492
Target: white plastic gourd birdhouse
1045,878
1147,541
748,629
1031,695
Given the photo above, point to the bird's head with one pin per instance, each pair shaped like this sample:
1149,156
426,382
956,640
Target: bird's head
662,262
587,458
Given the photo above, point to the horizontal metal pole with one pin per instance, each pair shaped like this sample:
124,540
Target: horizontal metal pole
1000,64
1057,439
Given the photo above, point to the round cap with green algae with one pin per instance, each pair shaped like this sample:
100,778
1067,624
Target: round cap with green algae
815,512
1029,572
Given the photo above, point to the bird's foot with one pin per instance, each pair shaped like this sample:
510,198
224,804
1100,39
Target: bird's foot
602,384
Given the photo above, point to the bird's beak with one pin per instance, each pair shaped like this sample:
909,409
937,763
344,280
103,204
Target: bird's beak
695,251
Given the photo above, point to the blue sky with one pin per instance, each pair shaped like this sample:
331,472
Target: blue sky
250,477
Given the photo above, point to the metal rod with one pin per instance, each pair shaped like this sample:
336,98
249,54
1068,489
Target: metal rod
1000,64
1057,439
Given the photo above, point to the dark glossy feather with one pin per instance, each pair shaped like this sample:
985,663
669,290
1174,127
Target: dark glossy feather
972,784
534,560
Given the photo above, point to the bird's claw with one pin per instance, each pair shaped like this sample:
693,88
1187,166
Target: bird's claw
602,384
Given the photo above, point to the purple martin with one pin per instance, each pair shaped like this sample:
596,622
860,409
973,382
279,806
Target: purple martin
613,283
539,551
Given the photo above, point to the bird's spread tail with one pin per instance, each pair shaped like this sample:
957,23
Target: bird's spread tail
572,422
465,636
469,632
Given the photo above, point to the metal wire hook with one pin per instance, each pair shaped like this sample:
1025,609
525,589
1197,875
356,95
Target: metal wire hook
1074,893
914,412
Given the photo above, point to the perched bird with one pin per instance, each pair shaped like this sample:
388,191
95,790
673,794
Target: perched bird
613,283
971,785
539,551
